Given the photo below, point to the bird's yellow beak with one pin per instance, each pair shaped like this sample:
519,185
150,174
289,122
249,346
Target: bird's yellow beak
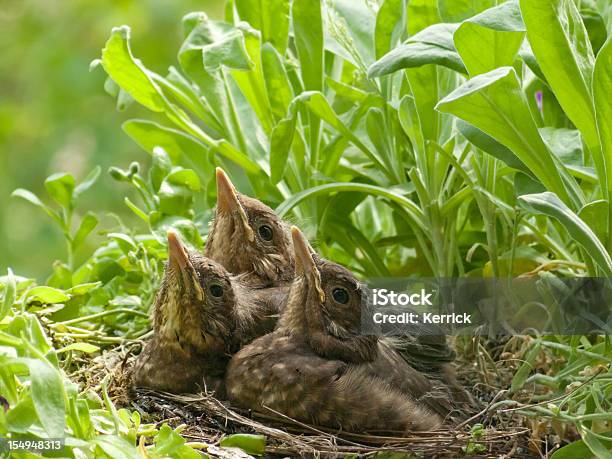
178,258
303,252
228,203
177,253
227,200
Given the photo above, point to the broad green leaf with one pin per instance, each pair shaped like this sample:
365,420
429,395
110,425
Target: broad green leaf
595,25
308,32
458,10
389,26
562,48
280,145
271,17
601,449
47,390
421,14
433,45
129,73
278,86
409,206
87,225
48,295
160,167
125,242
596,214
116,447
9,294
494,103
491,146
169,443
20,417
88,182
249,443
602,86
83,289
60,187
549,204
490,39
186,178
580,448
81,347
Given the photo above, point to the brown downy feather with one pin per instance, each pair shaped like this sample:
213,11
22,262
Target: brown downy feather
316,367
236,242
201,316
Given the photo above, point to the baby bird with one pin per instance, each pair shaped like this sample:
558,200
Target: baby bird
247,237
316,367
201,316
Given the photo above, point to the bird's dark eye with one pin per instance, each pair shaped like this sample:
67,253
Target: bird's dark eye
340,295
265,232
216,290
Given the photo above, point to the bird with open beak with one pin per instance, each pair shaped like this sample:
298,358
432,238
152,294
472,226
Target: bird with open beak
316,367
201,316
247,237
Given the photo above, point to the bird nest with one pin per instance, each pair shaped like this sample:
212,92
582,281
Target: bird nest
206,419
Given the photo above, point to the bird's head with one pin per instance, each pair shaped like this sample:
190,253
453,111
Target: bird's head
246,236
324,304
195,303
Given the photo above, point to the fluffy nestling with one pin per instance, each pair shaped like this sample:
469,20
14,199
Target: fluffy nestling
201,316
316,367
247,237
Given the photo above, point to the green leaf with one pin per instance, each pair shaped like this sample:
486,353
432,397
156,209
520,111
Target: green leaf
87,225
250,444
600,448
434,45
82,289
458,10
490,39
495,104
33,199
20,417
271,17
389,24
308,33
169,443
549,204
88,182
280,145
489,145
48,395
116,447
129,73
47,295
525,369
276,80
562,48
602,82
10,294
60,187
125,242
186,178
160,167
414,212
81,347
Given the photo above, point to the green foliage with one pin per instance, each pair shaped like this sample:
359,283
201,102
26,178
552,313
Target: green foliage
404,137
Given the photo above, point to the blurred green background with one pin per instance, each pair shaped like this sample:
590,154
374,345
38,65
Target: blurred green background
55,115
